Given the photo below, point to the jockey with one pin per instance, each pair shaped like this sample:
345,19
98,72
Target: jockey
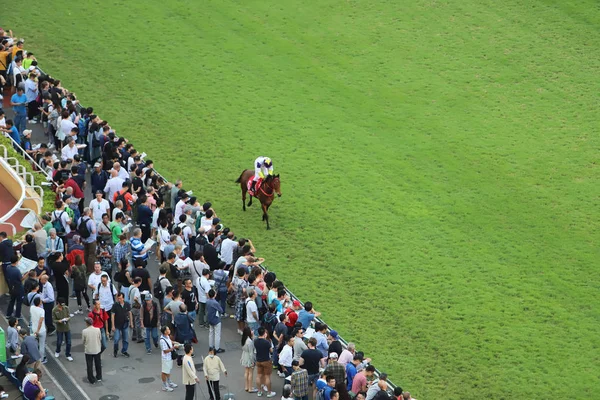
262,166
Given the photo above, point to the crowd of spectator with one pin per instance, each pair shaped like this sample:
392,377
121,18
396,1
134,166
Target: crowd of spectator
96,252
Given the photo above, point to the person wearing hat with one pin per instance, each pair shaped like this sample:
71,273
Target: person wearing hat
335,346
335,369
292,313
263,166
149,321
99,177
26,142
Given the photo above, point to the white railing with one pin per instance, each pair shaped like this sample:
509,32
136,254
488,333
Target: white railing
4,219
21,175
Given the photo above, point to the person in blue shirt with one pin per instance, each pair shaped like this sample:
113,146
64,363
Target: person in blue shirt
322,345
327,390
18,101
306,316
137,247
13,132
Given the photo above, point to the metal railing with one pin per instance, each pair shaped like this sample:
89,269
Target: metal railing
19,202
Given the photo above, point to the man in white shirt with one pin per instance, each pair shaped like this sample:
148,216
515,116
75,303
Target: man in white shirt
95,279
38,326
68,152
181,205
252,312
203,288
61,214
99,206
121,172
47,298
66,126
105,293
113,185
227,247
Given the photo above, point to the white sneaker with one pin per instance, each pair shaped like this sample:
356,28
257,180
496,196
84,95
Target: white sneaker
281,374
240,332
70,358
17,356
56,355
10,370
272,394
71,315
173,385
167,389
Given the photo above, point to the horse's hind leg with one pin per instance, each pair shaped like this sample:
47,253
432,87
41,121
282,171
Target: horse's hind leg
250,202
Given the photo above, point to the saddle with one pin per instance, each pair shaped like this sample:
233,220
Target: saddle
258,183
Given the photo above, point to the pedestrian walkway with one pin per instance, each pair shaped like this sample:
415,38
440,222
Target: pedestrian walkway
137,377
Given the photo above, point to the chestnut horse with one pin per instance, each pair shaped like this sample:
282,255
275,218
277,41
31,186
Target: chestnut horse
265,193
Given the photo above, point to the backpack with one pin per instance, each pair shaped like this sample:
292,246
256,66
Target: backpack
157,289
57,223
121,196
268,322
82,229
321,394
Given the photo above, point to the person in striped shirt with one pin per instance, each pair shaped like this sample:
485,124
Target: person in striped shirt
137,247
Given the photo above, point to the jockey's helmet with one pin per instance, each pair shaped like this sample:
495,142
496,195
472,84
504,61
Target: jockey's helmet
268,162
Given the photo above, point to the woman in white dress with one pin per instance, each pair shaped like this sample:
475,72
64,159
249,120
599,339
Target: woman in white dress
248,359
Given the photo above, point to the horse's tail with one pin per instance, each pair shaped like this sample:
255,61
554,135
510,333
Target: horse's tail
239,180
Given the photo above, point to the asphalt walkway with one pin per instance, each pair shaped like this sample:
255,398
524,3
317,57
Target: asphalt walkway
137,377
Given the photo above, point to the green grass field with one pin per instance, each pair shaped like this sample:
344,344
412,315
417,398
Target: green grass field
439,163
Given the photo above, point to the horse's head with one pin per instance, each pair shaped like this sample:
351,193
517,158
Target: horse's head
277,185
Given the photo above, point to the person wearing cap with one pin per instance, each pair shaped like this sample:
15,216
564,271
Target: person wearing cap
149,321
26,142
335,369
99,177
263,166
335,346
292,313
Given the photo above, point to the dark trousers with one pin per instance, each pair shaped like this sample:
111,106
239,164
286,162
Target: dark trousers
59,340
213,390
89,255
32,109
190,391
92,360
146,232
48,316
11,306
79,293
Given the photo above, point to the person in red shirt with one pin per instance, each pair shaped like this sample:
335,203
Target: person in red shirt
100,318
77,190
129,199
292,314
